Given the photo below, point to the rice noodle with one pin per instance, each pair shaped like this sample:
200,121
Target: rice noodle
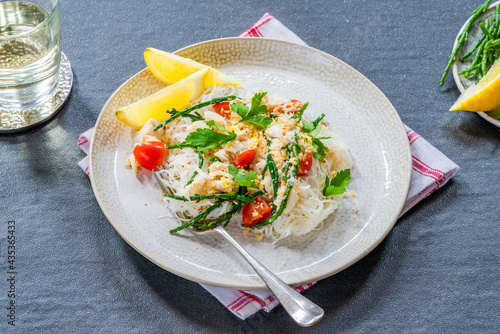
306,208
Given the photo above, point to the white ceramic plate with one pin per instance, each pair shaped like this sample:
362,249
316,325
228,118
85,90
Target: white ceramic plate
475,33
356,109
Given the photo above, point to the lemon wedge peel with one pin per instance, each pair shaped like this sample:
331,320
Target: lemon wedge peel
483,96
170,68
179,95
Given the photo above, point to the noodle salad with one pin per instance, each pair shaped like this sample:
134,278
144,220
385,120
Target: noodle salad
241,157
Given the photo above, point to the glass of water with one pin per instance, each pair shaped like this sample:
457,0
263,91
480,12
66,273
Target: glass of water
30,52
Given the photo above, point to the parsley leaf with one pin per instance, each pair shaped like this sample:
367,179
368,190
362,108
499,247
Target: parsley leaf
320,148
256,107
337,184
261,121
307,127
240,109
316,131
242,177
313,129
212,123
206,139
251,114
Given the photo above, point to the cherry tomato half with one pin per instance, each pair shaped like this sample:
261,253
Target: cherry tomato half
305,164
243,160
254,213
295,106
223,109
150,154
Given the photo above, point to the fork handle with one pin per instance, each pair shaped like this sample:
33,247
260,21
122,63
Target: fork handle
303,311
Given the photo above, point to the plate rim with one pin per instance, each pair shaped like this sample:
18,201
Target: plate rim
456,77
262,285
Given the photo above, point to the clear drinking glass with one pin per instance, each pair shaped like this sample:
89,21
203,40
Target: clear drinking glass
30,52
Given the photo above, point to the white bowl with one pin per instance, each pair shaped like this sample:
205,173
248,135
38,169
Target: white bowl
458,66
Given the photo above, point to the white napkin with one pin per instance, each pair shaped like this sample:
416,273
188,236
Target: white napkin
431,170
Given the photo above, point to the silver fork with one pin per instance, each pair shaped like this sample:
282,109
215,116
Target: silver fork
303,311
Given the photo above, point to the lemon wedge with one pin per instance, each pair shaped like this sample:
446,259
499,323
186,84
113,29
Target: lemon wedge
170,68
180,95
484,96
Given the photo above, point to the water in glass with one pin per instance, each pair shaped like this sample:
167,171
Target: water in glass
29,53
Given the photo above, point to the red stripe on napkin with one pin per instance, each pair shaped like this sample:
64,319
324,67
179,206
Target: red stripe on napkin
424,169
412,136
237,300
82,141
254,30
248,298
253,297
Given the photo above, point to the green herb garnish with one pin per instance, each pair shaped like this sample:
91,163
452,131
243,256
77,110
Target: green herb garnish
199,217
298,115
313,129
201,159
194,118
290,179
320,148
191,179
338,183
242,177
225,218
251,114
229,197
464,35
206,139
186,112
235,208
273,170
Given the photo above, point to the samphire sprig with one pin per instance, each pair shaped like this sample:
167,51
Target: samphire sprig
186,112
290,181
487,48
237,199
464,36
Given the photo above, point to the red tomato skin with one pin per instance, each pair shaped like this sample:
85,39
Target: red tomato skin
150,154
254,213
223,109
244,159
295,104
305,164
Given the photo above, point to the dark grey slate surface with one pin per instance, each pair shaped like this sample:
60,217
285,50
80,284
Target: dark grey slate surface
436,272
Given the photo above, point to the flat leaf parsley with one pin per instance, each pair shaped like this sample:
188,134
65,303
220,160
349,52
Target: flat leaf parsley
251,114
313,129
206,139
338,183
242,177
